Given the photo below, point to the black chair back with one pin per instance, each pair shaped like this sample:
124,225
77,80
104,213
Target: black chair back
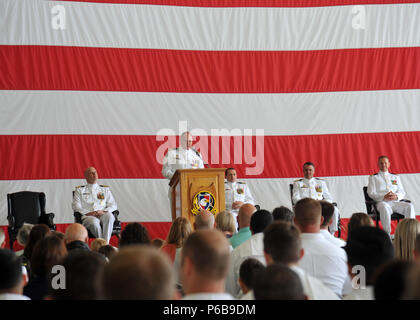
25,206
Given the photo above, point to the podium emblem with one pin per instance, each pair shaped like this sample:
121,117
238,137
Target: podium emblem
204,200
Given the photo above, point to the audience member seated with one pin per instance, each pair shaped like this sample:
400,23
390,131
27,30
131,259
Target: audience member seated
81,278
322,259
253,247
405,239
416,252
138,272
48,252
282,244
38,232
76,237
367,249
278,282
247,275
97,243
178,233
204,220
23,236
412,288
11,278
157,243
108,251
327,220
359,219
225,222
389,280
134,233
244,221
204,266
283,214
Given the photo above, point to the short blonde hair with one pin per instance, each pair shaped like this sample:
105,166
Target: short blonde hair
225,222
180,229
97,244
405,239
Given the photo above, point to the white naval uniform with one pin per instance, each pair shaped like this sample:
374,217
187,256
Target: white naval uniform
237,191
181,158
379,185
93,197
317,189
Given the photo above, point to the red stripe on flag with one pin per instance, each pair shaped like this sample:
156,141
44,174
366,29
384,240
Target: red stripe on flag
134,157
149,70
251,3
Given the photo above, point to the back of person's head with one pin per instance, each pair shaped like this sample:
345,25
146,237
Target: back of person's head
179,231
97,243
327,211
76,232
359,219
282,242
107,251
308,213
283,214
389,280
247,272
23,234
134,233
405,239
82,270
260,220
417,248
208,251
369,247
225,222
412,287
278,282
10,272
157,242
204,220
38,232
48,252
244,215
138,273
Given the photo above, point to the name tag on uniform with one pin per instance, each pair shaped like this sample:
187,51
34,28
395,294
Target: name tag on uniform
304,186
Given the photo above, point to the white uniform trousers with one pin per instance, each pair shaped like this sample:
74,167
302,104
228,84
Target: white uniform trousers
334,226
386,208
100,227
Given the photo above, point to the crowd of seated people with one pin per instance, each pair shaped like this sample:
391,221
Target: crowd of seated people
279,255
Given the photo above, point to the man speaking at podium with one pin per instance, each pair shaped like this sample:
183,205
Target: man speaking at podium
183,157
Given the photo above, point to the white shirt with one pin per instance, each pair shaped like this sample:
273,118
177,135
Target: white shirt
312,287
336,241
253,247
383,182
314,188
93,197
326,262
208,296
181,158
13,296
237,191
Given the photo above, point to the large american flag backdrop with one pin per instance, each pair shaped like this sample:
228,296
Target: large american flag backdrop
332,82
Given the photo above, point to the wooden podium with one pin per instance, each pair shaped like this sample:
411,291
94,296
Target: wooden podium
194,188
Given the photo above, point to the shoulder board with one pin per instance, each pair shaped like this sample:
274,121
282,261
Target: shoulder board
298,180
394,174
240,182
104,186
375,174
319,179
196,152
81,186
